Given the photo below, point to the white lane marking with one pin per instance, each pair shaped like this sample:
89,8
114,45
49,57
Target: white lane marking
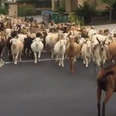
31,61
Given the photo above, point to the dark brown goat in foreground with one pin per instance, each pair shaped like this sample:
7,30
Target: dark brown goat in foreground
106,81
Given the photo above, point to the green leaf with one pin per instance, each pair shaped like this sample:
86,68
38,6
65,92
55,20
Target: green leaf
109,2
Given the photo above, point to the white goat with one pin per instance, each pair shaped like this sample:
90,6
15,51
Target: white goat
100,53
51,40
16,49
86,52
8,32
59,51
37,47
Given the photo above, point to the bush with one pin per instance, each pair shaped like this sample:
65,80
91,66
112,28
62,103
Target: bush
3,11
60,7
61,10
76,19
26,10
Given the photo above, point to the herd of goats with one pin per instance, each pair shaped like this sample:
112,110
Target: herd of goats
22,36
25,37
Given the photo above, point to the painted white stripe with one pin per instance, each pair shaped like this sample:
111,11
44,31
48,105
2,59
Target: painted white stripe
30,61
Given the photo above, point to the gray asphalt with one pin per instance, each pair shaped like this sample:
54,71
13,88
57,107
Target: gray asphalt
44,89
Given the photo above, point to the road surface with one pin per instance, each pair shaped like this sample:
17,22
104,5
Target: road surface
44,89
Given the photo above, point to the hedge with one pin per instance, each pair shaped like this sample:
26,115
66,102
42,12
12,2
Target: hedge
26,10
3,10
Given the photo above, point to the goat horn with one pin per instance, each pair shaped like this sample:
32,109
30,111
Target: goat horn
98,39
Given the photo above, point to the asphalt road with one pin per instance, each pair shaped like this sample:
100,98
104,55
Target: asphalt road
111,27
44,89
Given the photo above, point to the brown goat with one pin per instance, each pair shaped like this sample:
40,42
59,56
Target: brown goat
112,51
72,52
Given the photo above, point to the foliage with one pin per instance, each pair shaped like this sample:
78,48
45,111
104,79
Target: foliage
60,8
3,10
109,2
26,11
76,19
32,1
86,11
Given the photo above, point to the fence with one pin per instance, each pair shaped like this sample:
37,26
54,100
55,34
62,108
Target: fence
60,18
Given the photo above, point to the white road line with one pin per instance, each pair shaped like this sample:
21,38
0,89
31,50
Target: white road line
31,61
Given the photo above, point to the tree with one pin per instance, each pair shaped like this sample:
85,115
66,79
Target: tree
110,3
27,1
86,11
32,1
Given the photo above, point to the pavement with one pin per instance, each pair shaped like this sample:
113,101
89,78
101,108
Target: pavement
38,18
44,89
111,27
